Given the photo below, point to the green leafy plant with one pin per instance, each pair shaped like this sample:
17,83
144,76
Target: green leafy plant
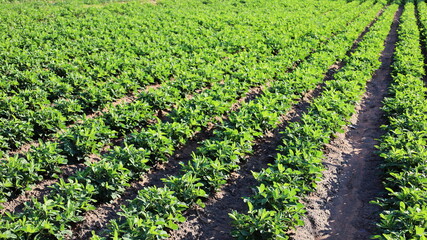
109,179
86,138
134,159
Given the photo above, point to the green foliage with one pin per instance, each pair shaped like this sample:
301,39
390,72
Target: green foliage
126,117
259,224
81,140
108,178
275,207
212,174
48,157
16,174
15,132
206,61
69,108
47,121
134,159
149,215
48,218
155,141
187,188
403,146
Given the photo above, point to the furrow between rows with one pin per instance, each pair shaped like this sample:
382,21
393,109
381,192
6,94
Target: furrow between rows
194,160
276,206
213,221
169,170
63,188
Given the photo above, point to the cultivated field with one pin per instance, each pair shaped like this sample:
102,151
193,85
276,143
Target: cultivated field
210,119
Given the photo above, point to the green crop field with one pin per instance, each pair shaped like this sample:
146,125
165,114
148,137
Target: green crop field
128,119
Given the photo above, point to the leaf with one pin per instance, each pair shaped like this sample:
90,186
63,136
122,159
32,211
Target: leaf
402,206
7,235
419,230
261,188
172,225
250,206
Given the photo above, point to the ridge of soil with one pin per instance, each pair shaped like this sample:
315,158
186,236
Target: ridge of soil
340,208
213,222
98,219
38,190
41,188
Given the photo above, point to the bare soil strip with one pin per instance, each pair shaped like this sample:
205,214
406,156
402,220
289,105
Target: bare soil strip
340,208
121,101
98,219
38,190
213,222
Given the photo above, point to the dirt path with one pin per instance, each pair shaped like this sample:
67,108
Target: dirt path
340,208
98,219
213,222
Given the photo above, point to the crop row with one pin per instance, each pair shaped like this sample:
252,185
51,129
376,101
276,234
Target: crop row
107,178
276,207
215,159
186,116
226,67
403,147
63,61
422,21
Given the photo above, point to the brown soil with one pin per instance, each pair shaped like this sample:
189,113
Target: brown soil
98,219
38,190
213,222
340,208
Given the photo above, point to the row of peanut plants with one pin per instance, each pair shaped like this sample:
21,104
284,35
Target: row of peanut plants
106,179
64,60
421,7
403,147
276,207
188,115
157,210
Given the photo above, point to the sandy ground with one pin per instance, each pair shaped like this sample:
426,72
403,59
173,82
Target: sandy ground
340,208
